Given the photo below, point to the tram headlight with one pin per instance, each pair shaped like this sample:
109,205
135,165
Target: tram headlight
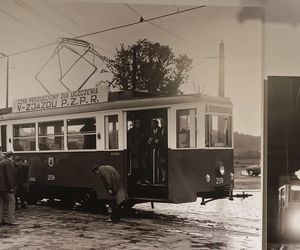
207,178
220,168
231,176
292,222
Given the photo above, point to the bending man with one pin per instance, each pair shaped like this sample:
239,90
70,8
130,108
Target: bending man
114,185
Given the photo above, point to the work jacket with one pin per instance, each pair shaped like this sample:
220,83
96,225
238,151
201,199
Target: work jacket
113,181
7,176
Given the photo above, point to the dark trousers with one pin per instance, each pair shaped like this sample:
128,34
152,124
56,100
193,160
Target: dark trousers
21,193
117,210
7,207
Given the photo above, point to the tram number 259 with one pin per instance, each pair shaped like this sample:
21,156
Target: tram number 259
50,177
219,180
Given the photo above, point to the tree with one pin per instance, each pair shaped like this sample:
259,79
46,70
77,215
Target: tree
149,66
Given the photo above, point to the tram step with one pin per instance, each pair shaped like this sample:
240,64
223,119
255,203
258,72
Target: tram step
157,191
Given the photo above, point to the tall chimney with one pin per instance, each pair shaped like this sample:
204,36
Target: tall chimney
221,90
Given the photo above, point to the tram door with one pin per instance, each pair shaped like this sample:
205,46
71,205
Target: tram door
147,153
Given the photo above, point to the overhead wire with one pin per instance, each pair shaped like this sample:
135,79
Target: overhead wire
155,25
112,28
15,33
62,14
18,20
40,16
46,2
144,20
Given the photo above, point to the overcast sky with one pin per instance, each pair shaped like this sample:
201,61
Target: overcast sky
26,24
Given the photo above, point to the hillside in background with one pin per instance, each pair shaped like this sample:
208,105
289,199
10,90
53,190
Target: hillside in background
246,146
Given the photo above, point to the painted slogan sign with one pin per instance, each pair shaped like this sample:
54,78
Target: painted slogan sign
66,99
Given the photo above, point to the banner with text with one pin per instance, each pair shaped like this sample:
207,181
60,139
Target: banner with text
66,99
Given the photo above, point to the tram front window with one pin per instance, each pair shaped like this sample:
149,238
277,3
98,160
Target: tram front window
186,128
81,133
24,137
218,131
51,135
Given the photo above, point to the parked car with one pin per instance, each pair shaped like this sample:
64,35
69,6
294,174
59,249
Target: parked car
254,170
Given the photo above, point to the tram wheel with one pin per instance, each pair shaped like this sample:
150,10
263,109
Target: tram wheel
250,173
128,206
32,201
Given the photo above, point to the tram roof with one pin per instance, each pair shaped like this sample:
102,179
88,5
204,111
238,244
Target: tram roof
144,102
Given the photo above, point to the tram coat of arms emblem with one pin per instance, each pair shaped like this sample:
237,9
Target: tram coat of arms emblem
51,161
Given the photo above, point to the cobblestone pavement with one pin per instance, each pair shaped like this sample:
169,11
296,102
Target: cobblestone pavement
221,224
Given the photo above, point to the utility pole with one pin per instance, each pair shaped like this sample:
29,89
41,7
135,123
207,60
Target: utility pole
7,76
221,89
221,72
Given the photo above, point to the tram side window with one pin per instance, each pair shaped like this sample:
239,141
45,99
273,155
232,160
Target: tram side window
3,138
24,137
51,135
111,132
186,128
81,133
218,131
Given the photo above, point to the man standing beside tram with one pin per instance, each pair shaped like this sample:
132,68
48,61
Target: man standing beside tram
22,186
7,190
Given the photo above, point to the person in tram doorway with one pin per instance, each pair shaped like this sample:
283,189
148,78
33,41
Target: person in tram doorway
154,134
7,191
115,187
153,141
163,152
136,146
22,187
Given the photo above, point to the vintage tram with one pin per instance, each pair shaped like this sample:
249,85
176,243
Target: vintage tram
64,135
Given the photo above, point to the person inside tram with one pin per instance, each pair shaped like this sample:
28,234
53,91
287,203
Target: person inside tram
163,152
89,139
153,145
136,146
154,134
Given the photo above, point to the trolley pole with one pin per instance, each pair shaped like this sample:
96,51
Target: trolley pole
7,76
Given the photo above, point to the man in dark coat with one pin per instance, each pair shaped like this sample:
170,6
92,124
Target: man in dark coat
153,149
7,190
22,169
114,185
136,146
1,193
155,134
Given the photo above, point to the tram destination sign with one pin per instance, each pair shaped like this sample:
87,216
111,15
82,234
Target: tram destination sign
60,100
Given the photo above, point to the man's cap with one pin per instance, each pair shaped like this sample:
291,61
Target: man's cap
95,167
8,154
18,158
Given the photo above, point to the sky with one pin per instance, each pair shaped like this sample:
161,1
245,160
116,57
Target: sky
29,24
281,39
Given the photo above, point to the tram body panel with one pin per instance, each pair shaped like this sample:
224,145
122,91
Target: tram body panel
188,171
65,170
